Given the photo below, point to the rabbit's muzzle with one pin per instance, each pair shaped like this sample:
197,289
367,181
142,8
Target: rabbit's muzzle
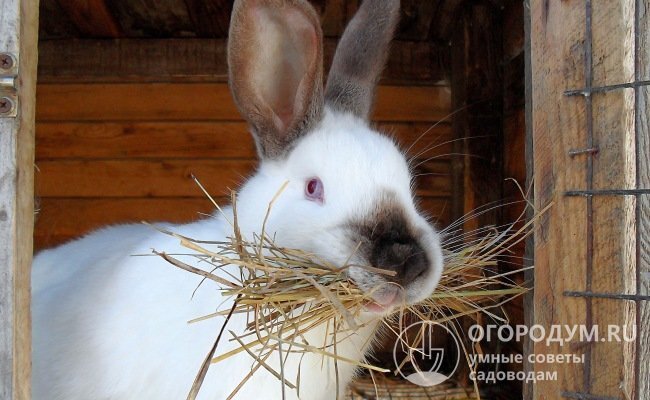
400,253
387,239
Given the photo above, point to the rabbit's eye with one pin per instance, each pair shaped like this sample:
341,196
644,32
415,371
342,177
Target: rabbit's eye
314,190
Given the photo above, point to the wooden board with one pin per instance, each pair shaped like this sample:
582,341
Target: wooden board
206,101
169,18
18,35
122,140
210,18
643,206
563,260
91,17
204,60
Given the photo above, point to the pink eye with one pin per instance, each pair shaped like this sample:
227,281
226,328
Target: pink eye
314,190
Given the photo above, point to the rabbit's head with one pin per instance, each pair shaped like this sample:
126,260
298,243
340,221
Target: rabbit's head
349,196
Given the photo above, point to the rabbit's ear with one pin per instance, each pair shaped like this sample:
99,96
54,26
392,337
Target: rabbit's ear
360,57
275,63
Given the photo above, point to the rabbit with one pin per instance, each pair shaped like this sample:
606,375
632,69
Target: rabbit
109,325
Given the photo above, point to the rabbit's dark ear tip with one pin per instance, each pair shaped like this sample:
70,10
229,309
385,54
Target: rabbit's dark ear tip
360,57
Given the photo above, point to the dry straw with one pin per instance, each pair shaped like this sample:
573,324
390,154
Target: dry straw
287,292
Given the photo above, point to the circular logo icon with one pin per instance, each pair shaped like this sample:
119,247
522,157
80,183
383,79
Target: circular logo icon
426,353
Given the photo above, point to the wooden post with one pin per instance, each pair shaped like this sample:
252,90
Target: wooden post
18,36
642,27
476,100
476,87
586,140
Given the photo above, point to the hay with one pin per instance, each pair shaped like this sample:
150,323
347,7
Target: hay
288,292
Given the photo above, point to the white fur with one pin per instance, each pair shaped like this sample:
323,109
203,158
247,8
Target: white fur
111,325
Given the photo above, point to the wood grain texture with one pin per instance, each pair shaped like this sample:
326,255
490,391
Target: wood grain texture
614,217
55,23
643,164
562,238
18,35
144,18
123,140
203,60
206,101
210,18
91,18
476,77
558,124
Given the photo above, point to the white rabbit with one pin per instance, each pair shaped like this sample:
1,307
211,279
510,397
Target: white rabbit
108,325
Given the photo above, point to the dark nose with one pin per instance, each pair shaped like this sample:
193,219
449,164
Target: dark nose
401,254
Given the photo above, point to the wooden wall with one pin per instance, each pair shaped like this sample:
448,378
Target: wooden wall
124,152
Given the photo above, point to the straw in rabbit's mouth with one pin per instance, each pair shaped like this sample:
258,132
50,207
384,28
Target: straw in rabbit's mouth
296,292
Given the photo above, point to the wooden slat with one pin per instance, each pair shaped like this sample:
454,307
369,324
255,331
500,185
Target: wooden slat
562,238
206,101
142,18
54,22
614,268
478,124
88,140
114,140
202,60
643,222
18,35
61,219
211,18
557,36
154,178
446,20
417,18
91,18
138,178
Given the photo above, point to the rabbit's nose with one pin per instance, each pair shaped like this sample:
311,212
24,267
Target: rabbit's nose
405,256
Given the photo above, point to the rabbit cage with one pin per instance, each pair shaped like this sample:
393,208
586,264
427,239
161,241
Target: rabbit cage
543,97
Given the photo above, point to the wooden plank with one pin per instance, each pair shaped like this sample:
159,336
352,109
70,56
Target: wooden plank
210,18
61,219
57,24
172,178
92,18
141,18
206,101
643,206
446,20
478,124
333,16
115,140
513,27
528,388
416,19
475,81
18,35
202,60
557,64
139,178
614,268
